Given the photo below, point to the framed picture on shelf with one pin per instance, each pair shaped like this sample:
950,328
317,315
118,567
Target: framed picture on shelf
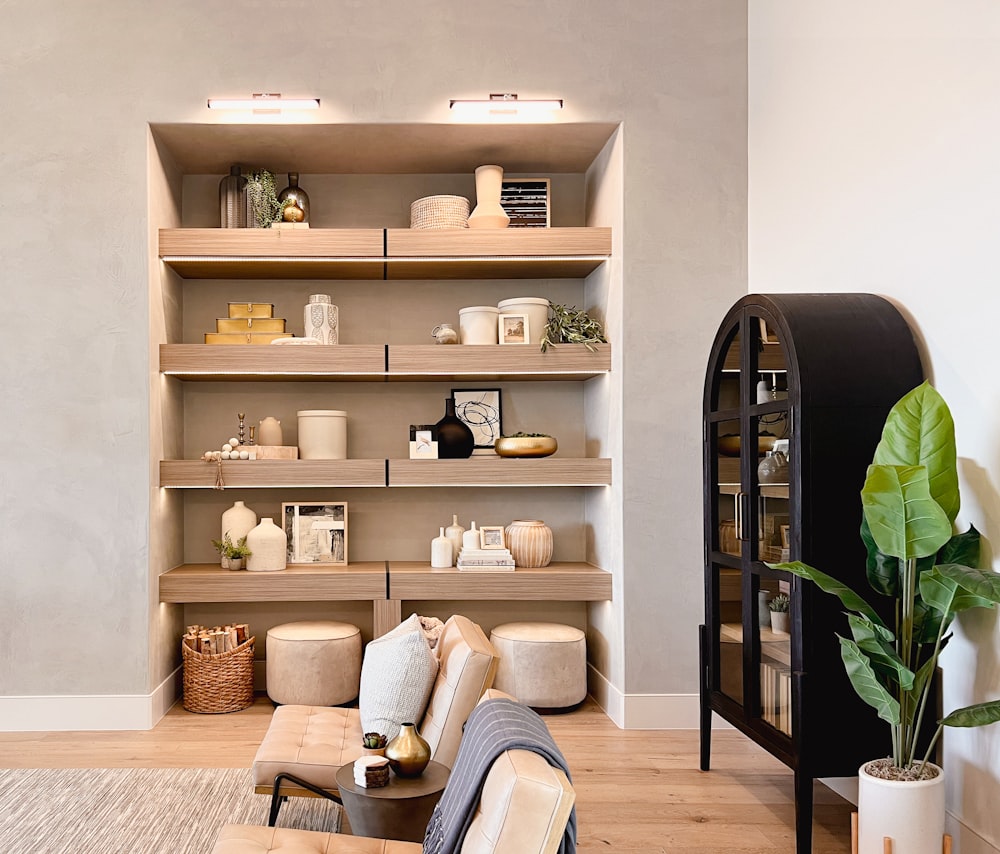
491,537
526,201
513,328
479,409
423,442
316,531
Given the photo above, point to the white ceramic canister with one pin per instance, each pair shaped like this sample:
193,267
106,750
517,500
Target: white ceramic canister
537,310
477,324
322,434
322,319
268,547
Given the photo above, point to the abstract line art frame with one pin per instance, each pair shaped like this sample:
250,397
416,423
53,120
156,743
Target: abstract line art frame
480,409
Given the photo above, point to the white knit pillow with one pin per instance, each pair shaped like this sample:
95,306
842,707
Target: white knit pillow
397,675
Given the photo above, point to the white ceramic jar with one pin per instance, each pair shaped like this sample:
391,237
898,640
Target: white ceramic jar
268,547
322,319
536,309
322,434
477,324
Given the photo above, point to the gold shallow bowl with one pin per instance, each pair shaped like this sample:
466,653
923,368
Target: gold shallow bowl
525,446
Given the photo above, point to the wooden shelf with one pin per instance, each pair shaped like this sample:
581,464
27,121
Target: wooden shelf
368,362
205,582
209,362
268,253
497,362
375,253
498,471
561,581
198,474
770,490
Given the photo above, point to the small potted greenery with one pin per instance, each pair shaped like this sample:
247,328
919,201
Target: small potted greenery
233,554
570,325
778,606
262,199
925,574
374,743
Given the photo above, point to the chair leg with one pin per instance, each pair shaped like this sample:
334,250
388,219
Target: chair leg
277,798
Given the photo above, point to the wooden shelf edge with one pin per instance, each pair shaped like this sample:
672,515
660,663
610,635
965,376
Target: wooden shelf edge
569,581
198,474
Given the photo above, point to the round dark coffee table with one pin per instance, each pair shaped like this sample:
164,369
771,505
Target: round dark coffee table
400,810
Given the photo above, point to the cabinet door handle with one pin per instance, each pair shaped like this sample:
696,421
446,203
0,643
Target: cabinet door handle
739,515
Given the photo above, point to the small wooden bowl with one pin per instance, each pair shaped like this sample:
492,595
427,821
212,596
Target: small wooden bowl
525,446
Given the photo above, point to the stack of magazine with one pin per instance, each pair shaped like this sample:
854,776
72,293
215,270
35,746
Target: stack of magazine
485,560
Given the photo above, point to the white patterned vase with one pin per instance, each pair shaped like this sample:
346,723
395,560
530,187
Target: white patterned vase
268,547
530,542
322,319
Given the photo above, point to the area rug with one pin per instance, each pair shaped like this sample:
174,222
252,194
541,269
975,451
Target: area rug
138,810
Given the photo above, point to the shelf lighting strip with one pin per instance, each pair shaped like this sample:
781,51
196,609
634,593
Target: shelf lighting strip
395,259
329,485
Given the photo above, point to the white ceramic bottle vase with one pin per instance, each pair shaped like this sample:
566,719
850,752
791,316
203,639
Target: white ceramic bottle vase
441,552
488,213
269,432
470,539
268,546
530,542
237,522
454,534
322,319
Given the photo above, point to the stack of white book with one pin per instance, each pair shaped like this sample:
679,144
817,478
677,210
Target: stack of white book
485,560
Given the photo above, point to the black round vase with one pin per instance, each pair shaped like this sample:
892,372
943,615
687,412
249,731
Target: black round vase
454,438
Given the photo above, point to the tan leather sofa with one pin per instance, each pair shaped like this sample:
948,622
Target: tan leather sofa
311,743
524,808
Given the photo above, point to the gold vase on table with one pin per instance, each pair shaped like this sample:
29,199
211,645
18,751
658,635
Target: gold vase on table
408,753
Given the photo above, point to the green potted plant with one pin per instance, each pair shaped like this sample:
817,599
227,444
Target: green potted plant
778,606
910,501
374,743
233,554
571,325
263,206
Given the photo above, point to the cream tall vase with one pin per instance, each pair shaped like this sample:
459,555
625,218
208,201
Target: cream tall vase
909,813
488,213
268,545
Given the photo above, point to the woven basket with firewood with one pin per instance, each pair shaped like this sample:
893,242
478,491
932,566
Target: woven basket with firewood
218,681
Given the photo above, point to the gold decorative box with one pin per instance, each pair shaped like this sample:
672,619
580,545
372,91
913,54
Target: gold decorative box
250,324
251,309
244,337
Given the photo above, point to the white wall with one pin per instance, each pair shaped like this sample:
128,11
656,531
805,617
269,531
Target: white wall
874,131
81,82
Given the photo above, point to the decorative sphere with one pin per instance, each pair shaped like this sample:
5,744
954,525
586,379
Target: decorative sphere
244,455
227,447
225,455
293,214
234,442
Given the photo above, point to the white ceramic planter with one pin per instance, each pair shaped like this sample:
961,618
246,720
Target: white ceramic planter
477,324
322,434
911,814
537,310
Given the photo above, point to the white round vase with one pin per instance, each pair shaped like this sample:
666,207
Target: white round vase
322,319
488,212
237,521
909,813
268,546
530,542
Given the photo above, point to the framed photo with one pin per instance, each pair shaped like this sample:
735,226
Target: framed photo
526,201
479,408
491,537
317,532
423,442
513,328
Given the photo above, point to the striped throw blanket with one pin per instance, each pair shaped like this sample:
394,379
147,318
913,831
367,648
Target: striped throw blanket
493,727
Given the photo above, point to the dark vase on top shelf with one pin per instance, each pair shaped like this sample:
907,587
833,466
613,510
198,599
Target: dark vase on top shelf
455,439
232,199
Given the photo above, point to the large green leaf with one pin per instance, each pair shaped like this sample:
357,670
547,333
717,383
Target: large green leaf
882,569
866,683
962,549
828,584
977,715
904,519
875,641
937,591
919,431
982,585
927,622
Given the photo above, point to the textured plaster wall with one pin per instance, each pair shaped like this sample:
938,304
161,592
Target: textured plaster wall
80,82
872,145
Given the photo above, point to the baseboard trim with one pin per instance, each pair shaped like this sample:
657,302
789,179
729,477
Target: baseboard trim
89,711
647,711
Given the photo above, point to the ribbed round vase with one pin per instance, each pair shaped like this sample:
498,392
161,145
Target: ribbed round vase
408,753
268,544
530,542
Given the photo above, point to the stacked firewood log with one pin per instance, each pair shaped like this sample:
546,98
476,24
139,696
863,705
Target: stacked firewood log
217,639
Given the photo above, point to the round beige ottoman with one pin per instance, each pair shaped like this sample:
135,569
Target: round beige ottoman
313,663
543,665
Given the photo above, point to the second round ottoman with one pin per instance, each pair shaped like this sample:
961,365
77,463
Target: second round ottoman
313,663
543,665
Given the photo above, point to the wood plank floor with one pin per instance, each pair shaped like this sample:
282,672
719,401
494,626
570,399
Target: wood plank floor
638,791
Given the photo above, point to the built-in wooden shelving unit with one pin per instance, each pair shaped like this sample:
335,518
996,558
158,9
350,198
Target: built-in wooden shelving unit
374,253
198,474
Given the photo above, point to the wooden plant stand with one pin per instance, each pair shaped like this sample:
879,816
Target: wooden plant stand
887,841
